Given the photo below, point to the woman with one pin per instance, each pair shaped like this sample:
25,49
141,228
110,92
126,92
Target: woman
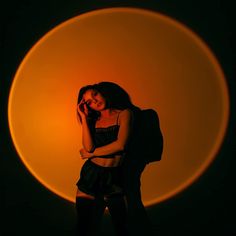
105,113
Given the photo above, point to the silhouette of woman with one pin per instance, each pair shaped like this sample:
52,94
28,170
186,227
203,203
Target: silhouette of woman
105,113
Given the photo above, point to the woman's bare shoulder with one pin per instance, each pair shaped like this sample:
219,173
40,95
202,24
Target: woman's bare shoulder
126,111
126,114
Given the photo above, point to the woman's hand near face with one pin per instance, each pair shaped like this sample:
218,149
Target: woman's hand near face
83,113
82,109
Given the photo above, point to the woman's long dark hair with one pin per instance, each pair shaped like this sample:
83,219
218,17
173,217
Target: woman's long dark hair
115,96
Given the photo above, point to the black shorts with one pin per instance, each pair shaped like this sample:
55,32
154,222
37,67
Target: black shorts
100,181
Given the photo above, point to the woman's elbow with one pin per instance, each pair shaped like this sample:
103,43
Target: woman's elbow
121,147
90,149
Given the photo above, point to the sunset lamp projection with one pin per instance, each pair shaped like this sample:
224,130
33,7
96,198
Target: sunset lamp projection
160,62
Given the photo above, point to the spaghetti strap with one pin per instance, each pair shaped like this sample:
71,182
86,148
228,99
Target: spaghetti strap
118,118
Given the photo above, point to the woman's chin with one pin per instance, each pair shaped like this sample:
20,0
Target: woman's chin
100,109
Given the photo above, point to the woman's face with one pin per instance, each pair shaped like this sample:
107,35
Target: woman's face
94,100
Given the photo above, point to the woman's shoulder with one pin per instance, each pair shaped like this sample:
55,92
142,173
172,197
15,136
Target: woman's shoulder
126,111
126,114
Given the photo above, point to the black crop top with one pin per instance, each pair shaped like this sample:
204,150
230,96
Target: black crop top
105,135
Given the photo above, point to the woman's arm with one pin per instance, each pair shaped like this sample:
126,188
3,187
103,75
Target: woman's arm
126,122
87,140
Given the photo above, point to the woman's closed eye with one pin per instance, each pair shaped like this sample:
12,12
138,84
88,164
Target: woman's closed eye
95,93
88,102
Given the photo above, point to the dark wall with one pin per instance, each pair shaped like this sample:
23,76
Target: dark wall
27,208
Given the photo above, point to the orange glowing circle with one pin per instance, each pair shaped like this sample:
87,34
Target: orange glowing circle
162,65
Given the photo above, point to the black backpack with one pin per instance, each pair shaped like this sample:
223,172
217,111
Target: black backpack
146,142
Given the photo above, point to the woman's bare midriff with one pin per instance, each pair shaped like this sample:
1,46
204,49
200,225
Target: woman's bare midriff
108,162
105,162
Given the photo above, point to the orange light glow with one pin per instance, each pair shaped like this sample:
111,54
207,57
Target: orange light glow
162,65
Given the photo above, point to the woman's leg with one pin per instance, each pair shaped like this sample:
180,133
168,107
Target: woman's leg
138,220
89,214
117,207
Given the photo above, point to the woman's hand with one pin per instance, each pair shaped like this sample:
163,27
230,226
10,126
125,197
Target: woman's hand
85,155
82,109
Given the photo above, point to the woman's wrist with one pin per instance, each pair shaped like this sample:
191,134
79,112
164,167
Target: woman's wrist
91,155
84,118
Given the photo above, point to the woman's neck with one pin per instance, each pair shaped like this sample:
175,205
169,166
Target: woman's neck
107,113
